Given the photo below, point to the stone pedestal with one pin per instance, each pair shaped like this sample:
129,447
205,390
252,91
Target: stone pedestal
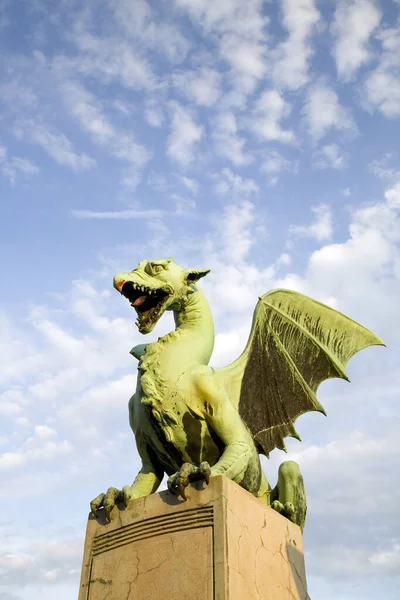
221,544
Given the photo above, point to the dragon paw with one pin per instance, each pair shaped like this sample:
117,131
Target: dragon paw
109,500
286,510
186,474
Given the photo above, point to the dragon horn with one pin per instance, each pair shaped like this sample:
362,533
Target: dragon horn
195,274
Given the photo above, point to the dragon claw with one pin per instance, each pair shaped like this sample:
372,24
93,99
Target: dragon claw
96,503
278,506
107,501
205,471
286,510
178,482
289,510
181,491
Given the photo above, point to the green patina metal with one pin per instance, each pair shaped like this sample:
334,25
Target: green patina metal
192,421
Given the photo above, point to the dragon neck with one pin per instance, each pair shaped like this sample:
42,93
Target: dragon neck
191,343
193,338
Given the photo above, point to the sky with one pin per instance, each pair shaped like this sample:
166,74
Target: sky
257,139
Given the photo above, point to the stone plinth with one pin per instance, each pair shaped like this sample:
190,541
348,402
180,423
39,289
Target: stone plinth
221,544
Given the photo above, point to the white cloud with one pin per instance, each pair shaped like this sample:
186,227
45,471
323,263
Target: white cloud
202,86
86,109
292,57
269,109
228,143
388,559
190,184
8,406
185,135
154,112
221,16
392,196
13,94
41,561
121,144
11,167
322,112
34,449
235,230
239,31
142,26
382,86
109,59
329,156
56,145
354,22
247,58
117,214
233,184
321,228
126,148
44,431
369,259
20,358
184,206
274,163
383,168
24,165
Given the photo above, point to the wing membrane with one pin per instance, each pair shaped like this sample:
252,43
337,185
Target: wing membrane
294,345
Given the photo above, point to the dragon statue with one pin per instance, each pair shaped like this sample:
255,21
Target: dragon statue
193,421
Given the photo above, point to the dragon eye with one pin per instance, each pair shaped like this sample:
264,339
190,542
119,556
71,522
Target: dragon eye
153,269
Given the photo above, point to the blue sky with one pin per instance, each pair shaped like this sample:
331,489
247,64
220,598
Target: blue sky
258,139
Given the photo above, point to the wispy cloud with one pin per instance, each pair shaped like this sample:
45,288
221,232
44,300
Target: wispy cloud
228,143
274,163
229,182
86,108
185,135
108,59
118,214
144,28
55,144
11,167
191,184
329,156
239,31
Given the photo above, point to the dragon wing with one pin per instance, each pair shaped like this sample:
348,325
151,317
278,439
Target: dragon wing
295,343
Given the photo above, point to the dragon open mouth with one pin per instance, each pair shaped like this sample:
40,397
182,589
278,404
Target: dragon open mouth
148,303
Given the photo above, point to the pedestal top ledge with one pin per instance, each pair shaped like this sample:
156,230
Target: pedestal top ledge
220,544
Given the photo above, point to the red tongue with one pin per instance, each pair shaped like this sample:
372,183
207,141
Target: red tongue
139,301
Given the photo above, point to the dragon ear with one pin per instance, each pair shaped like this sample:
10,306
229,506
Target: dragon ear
191,275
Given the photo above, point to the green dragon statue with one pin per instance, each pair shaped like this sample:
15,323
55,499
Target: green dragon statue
193,421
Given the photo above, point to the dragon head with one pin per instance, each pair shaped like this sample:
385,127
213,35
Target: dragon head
156,286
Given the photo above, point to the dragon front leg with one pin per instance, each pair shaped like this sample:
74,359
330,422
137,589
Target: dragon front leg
146,483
